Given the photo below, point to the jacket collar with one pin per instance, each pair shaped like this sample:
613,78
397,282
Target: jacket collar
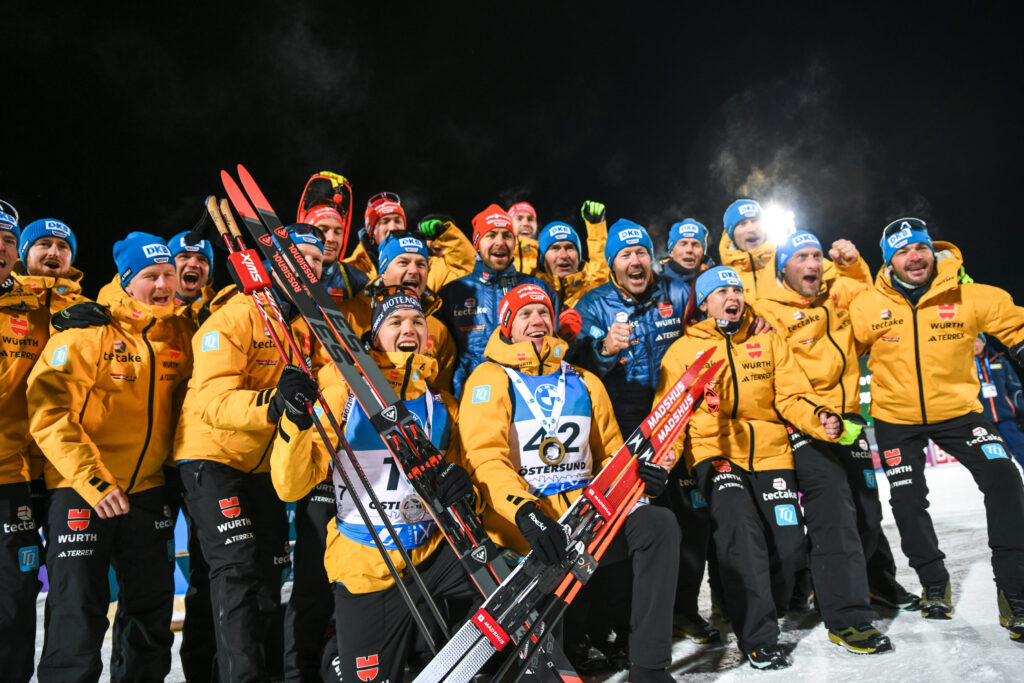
407,373
740,260
948,261
524,356
485,274
129,311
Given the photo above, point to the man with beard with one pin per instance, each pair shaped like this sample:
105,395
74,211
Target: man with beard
47,249
194,263
524,225
470,304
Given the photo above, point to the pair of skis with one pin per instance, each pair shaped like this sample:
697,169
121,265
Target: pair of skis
591,522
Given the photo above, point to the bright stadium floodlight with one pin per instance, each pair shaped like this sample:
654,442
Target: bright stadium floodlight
779,222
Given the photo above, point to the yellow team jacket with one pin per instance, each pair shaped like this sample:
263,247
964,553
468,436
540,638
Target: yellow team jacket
208,301
593,273
820,333
739,416
922,357
237,366
457,258
24,329
358,311
525,256
300,461
103,400
55,293
485,444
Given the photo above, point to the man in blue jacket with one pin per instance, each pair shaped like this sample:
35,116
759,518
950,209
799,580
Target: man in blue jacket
470,304
1001,395
687,251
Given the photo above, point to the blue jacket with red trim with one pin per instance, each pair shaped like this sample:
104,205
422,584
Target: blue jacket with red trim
1009,398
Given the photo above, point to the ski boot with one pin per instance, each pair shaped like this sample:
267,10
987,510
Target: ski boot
1011,615
937,601
694,627
896,597
769,658
640,674
862,639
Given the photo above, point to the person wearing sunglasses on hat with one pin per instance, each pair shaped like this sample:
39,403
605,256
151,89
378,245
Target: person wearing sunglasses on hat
920,323
343,280
104,402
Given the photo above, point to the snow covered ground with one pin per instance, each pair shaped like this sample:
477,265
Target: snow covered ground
971,647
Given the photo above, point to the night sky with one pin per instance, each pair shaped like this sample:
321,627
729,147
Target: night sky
850,116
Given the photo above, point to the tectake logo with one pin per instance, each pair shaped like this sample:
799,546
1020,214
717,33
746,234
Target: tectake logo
979,431
779,484
894,241
886,314
119,346
893,457
156,250
24,513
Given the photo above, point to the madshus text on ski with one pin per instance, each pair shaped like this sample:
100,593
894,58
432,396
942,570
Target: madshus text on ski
506,459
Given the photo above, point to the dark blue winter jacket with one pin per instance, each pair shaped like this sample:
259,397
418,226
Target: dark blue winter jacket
470,310
1009,398
631,376
343,280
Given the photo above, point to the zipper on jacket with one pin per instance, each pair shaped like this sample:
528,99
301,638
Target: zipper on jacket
751,454
265,451
149,405
842,372
917,363
405,380
735,382
753,270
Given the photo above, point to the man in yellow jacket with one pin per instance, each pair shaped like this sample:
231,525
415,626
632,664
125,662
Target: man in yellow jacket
809,304
24,329
222,450
525,226
103,402
560,257
550,428
920,324
375,627
48,249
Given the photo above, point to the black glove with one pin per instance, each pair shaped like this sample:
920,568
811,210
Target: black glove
654,477
82,314
294,389
454,484
546,536
1017,353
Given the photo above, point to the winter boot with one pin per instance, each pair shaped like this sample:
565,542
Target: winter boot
896,597
1011,615
862,639
937,601
694,627
771,657
639,674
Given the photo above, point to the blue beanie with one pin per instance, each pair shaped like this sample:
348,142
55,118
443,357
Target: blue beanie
9,223
137,251
688,228
625,233
393,246
740,210
556,231
304,233
713,278
46,227
177,245
801,239
900,233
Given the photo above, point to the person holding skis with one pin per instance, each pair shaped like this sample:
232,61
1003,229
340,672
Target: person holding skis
106,505
920,323
737,448
48,249
376,648
470,304
222,450
1001,396
25,328
550,428
809,303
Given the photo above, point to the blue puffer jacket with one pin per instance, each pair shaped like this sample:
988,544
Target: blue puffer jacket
631,376
995,368
470,310
343,280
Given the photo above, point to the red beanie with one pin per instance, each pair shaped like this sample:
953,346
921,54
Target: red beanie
319,213
518,297
522,207
381,205
491,218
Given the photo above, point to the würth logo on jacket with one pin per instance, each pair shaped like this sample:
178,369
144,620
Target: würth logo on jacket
367,667
753,350
893,458
722,465
229,507
19,326
78,520
947,311
665,309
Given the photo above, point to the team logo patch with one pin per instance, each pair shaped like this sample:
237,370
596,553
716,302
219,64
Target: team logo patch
174,351
893,457
753,350
60,356
367,667
869,479
711,399
779,484
799,315
119,346
697,499
947,311
785,515
78,519
211,341
19,326
886,314
994,451
229,507
482,394
722,465
28,558
979,431
665,309
24,513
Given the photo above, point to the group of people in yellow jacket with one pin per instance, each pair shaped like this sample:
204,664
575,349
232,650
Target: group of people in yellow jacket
222,404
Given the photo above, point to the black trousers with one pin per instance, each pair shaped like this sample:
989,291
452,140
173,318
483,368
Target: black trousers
81,549
19,576
198,652
686,500
757,529
976,443
243,531
310,607
837,563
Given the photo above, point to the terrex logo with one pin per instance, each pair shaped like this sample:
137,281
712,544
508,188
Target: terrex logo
19,326
78,519
229,507
947,311
893,458
753,349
